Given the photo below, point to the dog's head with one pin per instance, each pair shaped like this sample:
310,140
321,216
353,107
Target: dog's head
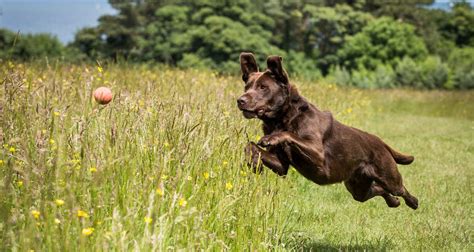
266,93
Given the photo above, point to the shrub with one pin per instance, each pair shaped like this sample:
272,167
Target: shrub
382,41
361,78
461,63
297,64
340,76
382,77
408,73
193,61
434,73
430,73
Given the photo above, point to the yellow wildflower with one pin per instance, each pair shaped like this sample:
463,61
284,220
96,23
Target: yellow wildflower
36,214
243,173
52,142
100,69
160,192
12,150
206,175
349,110
19,183
76,161
93,169
228,186
87,231
61,182
82,214
59,202
182,202
164,177
148,220
1,162
56,113
166,144
225,163
57,221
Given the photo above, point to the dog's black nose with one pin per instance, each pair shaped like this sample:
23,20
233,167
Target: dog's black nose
241,101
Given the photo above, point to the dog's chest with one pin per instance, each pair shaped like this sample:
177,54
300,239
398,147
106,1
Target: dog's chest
281,126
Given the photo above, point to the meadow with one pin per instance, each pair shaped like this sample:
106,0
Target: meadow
162,166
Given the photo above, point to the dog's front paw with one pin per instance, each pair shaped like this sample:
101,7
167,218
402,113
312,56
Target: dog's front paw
269,140
250,149
253,155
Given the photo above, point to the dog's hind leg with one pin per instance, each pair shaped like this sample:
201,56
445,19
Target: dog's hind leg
389,199
364,188
256,156
410,200
390,179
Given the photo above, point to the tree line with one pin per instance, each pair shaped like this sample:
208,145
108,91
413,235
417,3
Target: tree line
363,43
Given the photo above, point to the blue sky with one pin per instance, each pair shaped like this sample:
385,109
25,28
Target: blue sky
60,17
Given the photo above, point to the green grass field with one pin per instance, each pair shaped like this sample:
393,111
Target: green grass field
162,167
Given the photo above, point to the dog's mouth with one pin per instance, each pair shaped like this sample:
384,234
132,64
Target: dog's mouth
253,113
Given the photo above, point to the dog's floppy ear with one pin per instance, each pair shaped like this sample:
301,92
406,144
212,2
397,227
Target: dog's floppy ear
275,66
248,65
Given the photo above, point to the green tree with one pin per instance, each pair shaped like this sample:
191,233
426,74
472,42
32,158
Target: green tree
288,22
116,35
29,46
164,39
398,10
221,40
382,41
326,31
459,27
88,41
215,32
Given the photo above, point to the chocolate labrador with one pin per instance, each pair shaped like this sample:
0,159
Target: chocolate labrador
322,149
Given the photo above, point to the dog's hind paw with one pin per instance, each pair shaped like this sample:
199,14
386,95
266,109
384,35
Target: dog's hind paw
412,202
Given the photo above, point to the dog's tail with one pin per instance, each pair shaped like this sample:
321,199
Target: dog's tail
400,158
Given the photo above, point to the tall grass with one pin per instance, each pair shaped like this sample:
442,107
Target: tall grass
162,167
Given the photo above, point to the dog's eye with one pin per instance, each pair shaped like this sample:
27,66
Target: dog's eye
263,87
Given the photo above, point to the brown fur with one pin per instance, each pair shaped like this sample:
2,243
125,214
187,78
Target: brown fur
322,149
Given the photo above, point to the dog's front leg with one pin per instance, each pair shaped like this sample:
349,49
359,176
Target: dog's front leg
297,148
256,156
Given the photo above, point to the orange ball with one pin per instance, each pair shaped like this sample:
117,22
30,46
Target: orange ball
103,95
